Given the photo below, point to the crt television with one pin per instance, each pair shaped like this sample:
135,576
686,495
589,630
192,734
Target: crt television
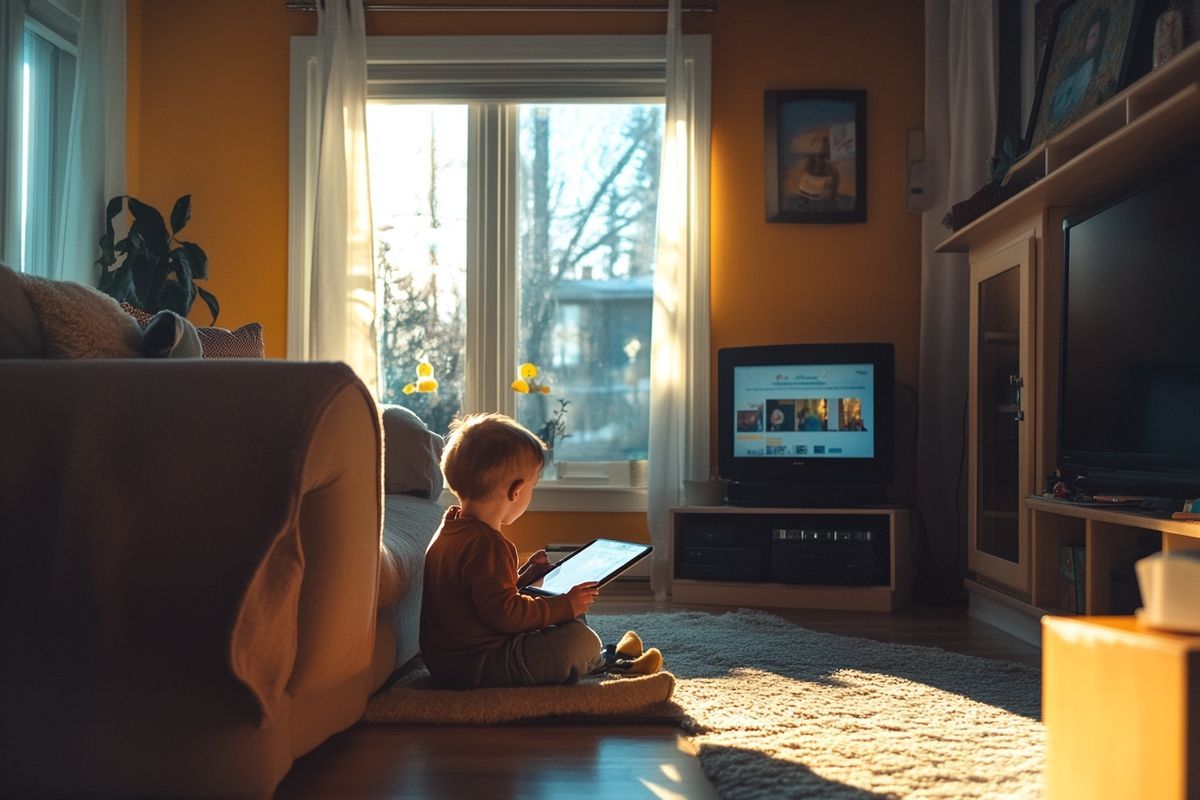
1129,400
805,424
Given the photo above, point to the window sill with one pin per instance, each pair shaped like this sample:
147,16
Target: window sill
553,495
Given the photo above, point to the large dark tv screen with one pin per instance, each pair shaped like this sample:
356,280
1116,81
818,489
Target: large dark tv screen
1130,395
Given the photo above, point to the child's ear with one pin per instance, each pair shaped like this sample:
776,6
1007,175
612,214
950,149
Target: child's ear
514,489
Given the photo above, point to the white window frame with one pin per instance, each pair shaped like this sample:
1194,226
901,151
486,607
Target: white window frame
506,69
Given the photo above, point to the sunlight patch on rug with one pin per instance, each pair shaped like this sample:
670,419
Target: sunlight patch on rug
779,711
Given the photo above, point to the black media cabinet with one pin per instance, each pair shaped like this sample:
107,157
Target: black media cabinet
831,558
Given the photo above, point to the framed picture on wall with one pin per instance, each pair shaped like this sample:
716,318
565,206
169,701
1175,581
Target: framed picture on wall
816,155
1086,61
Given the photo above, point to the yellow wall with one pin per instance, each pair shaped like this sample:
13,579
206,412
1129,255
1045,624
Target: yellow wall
209,116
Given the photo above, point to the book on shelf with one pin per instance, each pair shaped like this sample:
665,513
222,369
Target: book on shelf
1072,579
1080,580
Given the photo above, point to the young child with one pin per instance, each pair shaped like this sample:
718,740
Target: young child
477,629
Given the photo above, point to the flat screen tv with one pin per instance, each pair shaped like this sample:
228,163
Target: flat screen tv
806,424
1129,402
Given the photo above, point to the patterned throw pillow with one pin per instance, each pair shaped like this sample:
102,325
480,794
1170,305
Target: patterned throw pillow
243,342
143,317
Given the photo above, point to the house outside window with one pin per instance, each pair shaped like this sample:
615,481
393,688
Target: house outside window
514,188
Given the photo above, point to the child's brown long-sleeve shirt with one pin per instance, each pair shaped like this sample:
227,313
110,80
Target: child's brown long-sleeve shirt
470,603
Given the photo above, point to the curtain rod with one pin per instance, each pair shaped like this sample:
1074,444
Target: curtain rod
311,5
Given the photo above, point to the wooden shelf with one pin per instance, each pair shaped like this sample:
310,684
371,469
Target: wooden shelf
1115,516
1105,152
1112,539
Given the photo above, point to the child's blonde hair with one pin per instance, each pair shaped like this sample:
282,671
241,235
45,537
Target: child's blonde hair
486,451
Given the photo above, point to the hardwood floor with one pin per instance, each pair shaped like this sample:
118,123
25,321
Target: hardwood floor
550,761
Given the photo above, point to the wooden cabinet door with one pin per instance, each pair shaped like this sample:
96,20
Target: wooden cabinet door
1001,425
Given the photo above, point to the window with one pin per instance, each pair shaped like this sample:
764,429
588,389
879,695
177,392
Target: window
514,189
47,85
586,188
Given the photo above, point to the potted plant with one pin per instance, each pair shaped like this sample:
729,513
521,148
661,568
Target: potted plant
151,269
555,428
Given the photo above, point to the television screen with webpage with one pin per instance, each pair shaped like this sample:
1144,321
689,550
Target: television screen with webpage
813,410
798,418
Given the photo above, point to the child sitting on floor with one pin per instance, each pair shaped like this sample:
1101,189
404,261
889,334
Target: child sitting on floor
477,629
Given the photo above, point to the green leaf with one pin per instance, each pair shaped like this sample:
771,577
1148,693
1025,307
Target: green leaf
181,213
150,224
213,306
143,273
183,275
118,284
114,207
173,298
108,255
197,258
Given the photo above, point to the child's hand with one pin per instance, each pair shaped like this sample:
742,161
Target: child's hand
582,597
534,569
538,558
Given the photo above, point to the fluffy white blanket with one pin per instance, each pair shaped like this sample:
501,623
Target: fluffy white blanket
78,321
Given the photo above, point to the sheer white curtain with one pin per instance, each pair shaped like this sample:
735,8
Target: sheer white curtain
960,127
95,168
341,274
679,347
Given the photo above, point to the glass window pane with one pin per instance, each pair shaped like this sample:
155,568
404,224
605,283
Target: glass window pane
588,193
47,85
419,208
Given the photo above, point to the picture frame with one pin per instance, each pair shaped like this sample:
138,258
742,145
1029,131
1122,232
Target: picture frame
1086,61
816,155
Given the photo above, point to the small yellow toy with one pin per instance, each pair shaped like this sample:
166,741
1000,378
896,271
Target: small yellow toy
527,382
425,381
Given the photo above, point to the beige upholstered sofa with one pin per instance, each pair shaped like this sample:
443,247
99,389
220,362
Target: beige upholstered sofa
197,584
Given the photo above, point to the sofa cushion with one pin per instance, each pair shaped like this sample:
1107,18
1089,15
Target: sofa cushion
168,335
141,317
412,454
243,342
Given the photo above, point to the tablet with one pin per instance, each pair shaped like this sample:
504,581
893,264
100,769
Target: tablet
599,560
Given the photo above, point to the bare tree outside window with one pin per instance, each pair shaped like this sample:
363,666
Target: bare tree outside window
586,214
588,200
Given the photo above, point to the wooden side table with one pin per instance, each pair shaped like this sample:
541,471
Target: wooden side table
1121,703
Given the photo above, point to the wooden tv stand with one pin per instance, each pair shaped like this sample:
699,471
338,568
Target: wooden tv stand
737,523
1015,262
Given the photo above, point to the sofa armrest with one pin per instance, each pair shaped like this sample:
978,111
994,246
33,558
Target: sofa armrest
154,521
341,518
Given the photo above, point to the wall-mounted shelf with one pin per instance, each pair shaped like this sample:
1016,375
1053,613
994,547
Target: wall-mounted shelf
1104,152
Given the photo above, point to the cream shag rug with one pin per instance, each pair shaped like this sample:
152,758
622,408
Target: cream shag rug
779,711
